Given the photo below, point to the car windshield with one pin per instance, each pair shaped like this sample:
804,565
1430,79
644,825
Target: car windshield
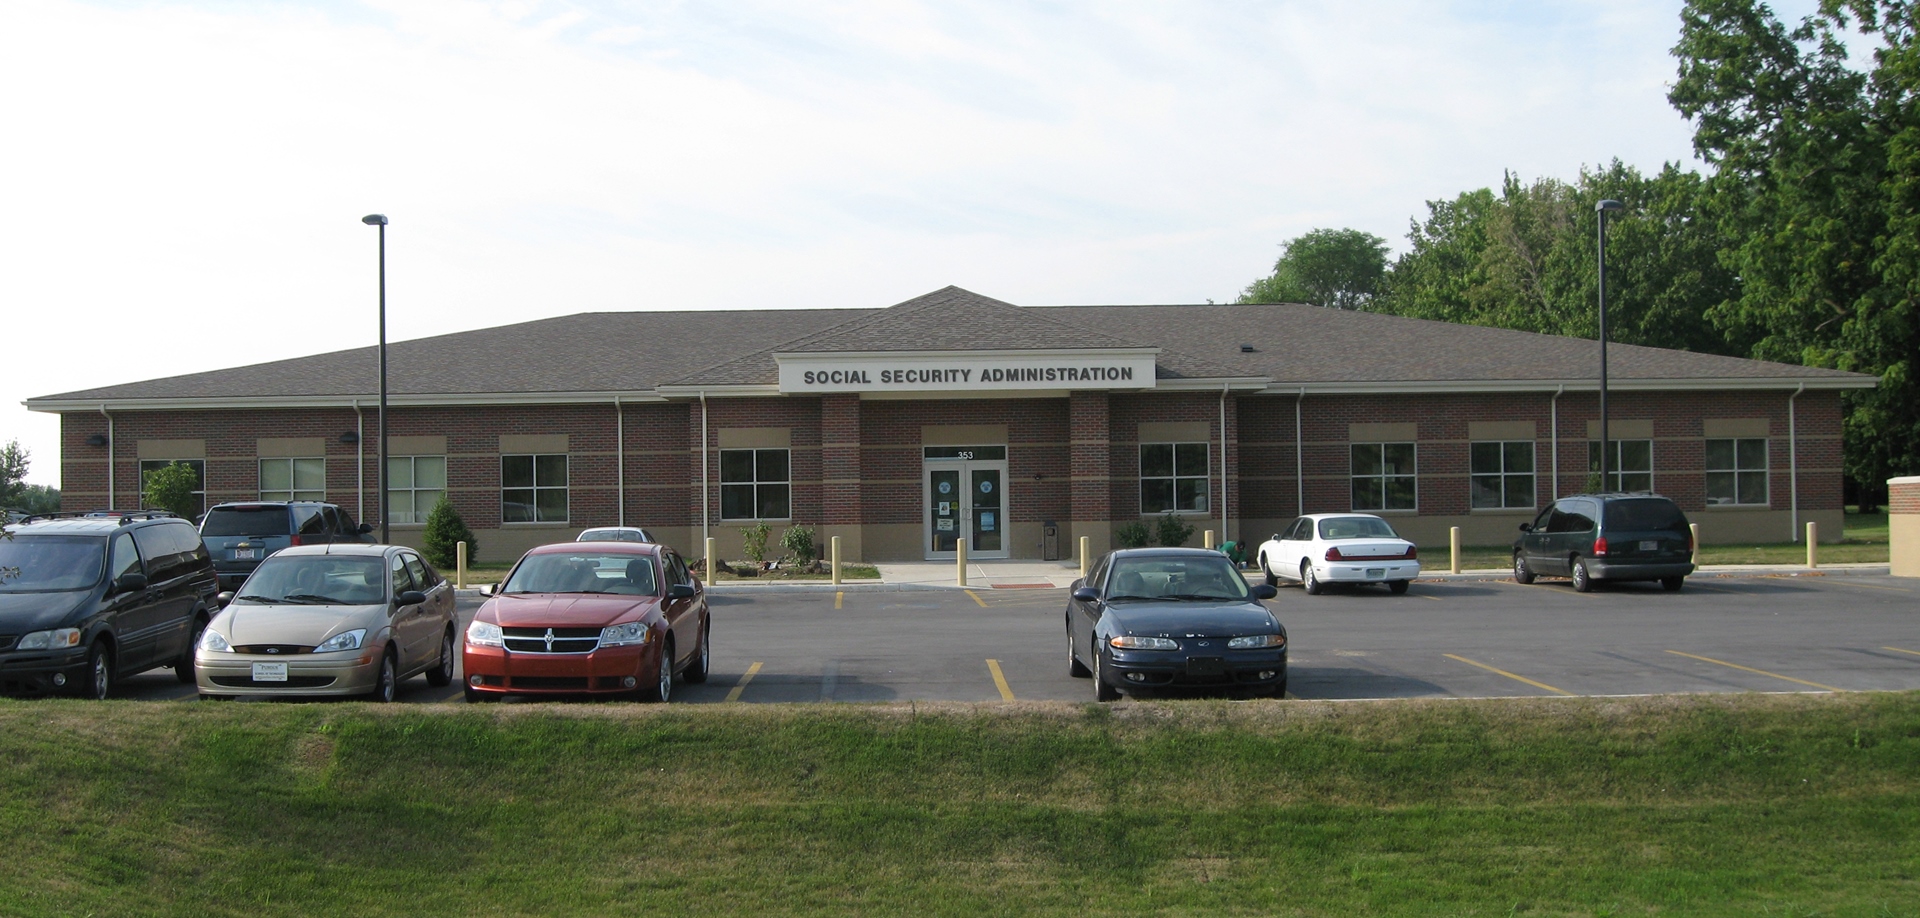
1356,527
245,521
1645,514
611,535
1185,579
316,580
45,564
584,572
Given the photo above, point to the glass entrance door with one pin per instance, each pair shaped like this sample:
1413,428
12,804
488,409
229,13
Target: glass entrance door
965,490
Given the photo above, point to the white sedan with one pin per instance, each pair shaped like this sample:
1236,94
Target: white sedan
1323,548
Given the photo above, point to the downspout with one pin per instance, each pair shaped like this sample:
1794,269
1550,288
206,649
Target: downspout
359,463
1556,439
1793,462
1223,463
620,458
1299,468
110,444
704,514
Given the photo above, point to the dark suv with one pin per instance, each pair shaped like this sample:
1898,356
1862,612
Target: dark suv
1596,537
241,534
88,599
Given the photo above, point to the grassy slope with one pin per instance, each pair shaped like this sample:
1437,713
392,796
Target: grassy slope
1701,805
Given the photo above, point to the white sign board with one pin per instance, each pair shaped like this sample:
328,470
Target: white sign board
920,372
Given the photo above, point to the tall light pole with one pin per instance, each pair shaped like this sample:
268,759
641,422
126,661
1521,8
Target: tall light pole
1602,209
379,219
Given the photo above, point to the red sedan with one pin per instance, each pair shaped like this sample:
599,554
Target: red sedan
617,618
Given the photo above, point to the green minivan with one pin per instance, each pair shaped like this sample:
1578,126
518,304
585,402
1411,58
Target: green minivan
1593,538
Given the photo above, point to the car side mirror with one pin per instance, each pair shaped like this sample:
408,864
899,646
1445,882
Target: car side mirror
365,528
225,596
488,589
1276,537
409,598
1264,591
679,591
1087,594
129,583
1526,527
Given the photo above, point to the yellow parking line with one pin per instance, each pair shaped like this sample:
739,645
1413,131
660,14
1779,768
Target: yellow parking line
741,686
1540,685
1902,650
1425,596
976,598
1000,680
1750,669
837,597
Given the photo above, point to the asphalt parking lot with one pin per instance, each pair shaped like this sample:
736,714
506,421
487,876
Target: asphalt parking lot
1443,639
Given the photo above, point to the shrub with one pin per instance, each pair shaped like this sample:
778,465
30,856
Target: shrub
798,541
171,488
445,530
754,542
1172,531
1132,535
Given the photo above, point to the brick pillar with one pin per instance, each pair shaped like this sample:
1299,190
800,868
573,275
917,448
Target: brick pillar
840,474
1903,525
1091,469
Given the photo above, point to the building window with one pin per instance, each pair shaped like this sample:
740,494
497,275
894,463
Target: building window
199,466
414,485
1383,477
1630,468
755,484
293,479
1502,473
533,489
1173,476
1737,471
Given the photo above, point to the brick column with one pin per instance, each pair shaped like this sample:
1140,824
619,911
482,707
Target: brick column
840,474
1091,469
1903,525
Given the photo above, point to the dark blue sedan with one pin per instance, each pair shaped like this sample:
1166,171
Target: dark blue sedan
1155,618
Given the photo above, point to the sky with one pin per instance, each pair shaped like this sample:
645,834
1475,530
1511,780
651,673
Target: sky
182,182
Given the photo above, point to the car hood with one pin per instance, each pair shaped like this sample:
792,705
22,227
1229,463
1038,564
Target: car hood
249,623
24,612
1370,548
549,610
1191,619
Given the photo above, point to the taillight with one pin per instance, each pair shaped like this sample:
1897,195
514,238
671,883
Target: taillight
1413,553
1600,545
1333,554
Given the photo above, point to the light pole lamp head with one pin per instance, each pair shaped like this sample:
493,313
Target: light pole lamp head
374,219
1607,206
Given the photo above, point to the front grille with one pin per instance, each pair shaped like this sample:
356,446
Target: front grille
565,640
290,682
272,648
549,682
6,641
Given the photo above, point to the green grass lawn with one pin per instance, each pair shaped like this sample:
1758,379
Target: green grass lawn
1865,542
1677,805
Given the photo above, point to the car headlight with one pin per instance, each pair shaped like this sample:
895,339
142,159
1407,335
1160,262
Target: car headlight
49,640
345,640
215,642
620,635
486,634
1129,642
1255,641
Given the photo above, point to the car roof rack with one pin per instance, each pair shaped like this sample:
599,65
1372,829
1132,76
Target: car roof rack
125,516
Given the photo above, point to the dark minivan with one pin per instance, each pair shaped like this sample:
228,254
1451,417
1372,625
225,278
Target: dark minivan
242,534
88,600
1599,537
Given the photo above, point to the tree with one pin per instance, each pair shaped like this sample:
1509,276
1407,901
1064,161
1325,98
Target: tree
1326,267
171,488
39,499
445,531
13,474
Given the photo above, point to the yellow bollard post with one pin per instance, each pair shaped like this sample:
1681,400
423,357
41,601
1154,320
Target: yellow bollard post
1813,544
710,562
1206,541
960,557
1694,528
1084,562
836,560
459,565
1453,545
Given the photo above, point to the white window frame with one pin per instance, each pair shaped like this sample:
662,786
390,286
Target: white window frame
413,490
1738,470
1617,468
293,491
755,483
535,487
1501,475
1204,476
1384,476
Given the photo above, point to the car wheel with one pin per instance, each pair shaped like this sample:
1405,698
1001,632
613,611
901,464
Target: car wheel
442,675
1582,580
1272,581
696,672
1075,668
183,667
1102,692
661,691
1521,572
386,686
99,672
1398,587
1672,584
1309,580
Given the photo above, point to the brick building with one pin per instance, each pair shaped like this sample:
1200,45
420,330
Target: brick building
953,415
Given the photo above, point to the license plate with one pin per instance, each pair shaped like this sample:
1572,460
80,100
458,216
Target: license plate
269,672
244,554
1649,546
1376,572
1206,666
